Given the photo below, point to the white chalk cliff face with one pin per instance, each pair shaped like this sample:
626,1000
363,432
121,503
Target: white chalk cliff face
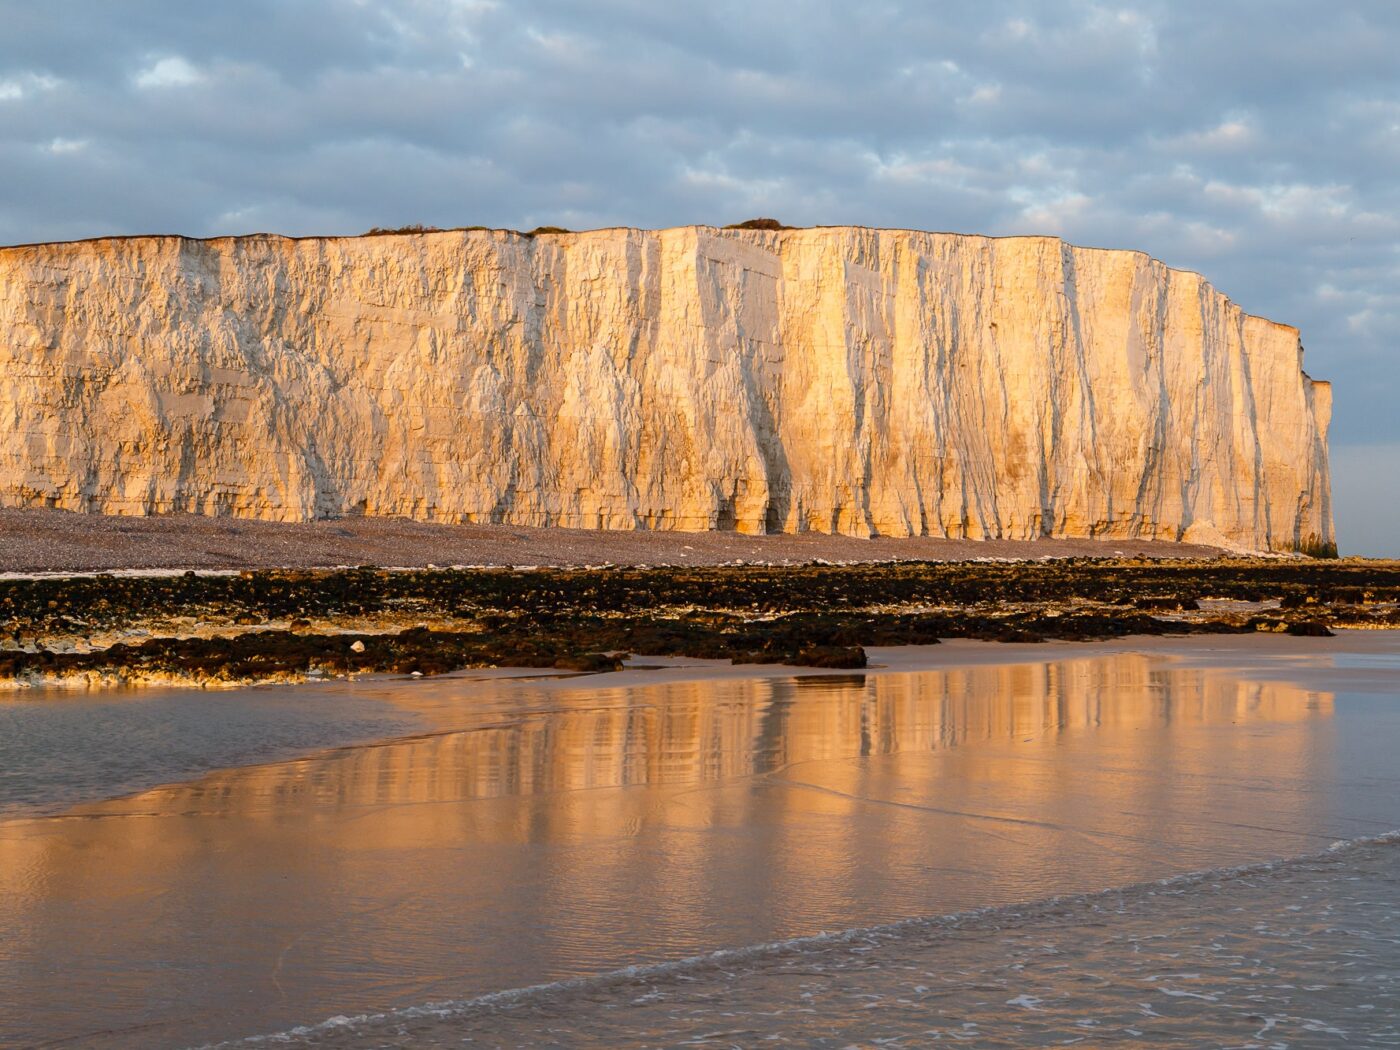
837,380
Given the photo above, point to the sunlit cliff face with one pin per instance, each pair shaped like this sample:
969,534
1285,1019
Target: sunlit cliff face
840,379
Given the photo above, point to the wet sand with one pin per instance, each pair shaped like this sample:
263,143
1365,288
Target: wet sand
61,541
1291,954
544,829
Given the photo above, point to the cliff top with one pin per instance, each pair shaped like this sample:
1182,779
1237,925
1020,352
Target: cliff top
755,229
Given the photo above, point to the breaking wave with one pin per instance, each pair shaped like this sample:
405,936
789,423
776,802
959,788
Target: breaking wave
1267,884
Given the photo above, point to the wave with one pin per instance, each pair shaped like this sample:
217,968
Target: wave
996,917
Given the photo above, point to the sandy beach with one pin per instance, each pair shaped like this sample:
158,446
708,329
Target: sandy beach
445,839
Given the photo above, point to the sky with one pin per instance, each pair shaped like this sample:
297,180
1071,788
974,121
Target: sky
1255,141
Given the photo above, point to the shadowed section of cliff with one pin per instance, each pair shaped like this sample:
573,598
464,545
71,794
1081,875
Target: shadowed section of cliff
834,380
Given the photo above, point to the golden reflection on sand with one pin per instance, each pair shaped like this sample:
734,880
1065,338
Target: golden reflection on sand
607,825
701,731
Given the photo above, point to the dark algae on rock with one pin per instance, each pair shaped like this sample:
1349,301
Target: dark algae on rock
267,625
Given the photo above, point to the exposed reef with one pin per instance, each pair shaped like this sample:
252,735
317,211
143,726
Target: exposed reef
287,625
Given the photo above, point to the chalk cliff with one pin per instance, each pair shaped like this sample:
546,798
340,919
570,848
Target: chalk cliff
839,379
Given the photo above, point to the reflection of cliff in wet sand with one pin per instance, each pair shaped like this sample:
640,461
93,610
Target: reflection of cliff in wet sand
595,828
693,732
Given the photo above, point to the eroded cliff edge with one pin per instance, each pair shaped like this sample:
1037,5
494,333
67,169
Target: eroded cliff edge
833,379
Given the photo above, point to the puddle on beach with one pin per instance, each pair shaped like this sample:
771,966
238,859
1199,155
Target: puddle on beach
543,831
59,747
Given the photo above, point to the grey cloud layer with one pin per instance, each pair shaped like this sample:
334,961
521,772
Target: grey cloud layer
1257,144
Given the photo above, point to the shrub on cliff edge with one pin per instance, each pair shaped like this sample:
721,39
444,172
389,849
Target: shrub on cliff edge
758,224
385,231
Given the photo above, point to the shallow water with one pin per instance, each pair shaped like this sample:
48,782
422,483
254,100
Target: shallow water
548,831
59,747
1304,953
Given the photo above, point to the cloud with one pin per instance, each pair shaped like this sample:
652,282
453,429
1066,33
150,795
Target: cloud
1258,147
24,85
172,71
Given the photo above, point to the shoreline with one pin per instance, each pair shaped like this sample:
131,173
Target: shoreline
593,1005
1281,657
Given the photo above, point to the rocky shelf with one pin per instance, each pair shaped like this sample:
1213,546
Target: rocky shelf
283,625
